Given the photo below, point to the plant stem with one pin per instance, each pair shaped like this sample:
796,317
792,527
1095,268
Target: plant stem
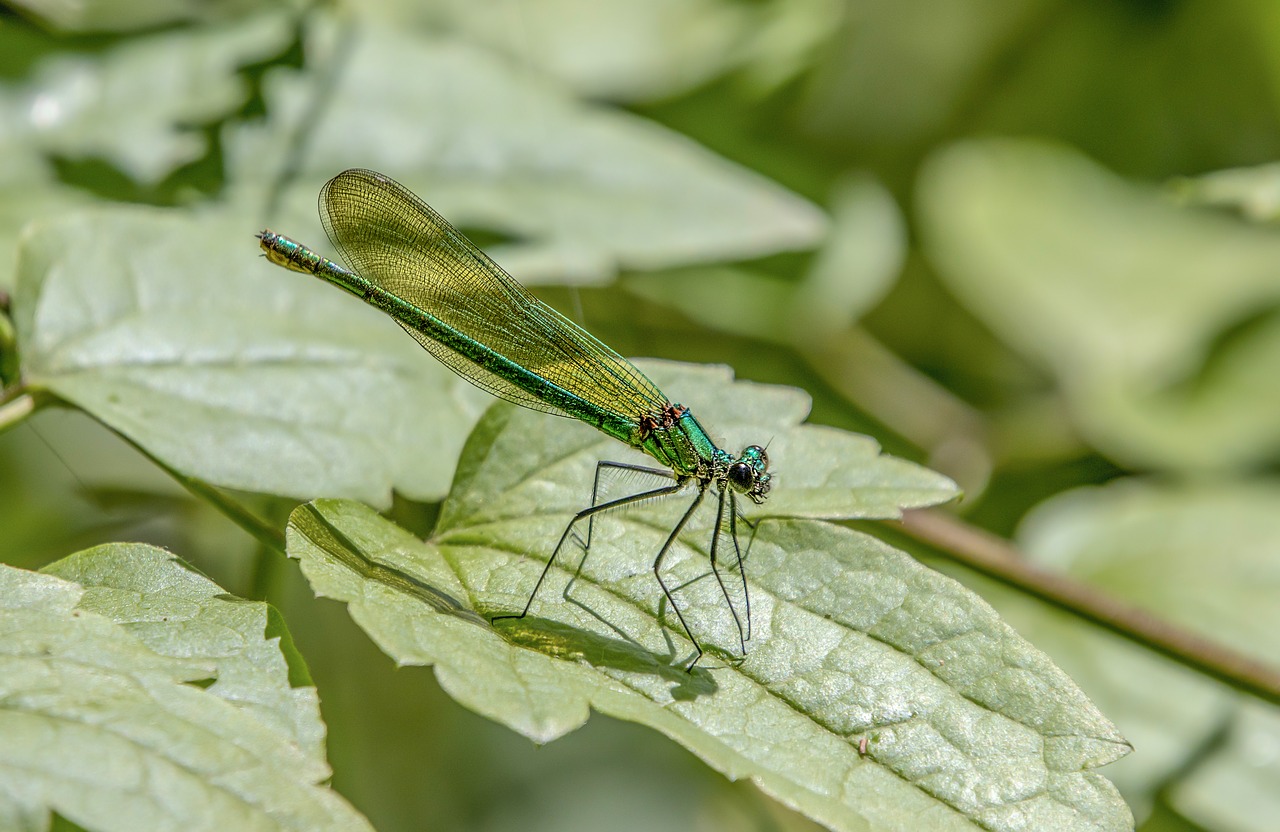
992,556
14,411
9,369
256,527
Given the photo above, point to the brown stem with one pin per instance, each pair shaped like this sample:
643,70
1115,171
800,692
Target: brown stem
996,558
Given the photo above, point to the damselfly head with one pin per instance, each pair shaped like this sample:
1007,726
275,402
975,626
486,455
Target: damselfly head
749,475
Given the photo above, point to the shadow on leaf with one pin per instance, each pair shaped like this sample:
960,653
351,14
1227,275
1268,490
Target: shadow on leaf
325,536
563,641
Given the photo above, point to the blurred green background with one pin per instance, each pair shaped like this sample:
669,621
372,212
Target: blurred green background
1029,243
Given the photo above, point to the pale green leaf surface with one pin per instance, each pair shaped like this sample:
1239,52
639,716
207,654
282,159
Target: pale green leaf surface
229,369
629,51
582,190
28,189
903,71
966,725
602,48
1201,556
179,613
1117,292
1253,191
106,731
1167,712
724,298
137,104
817,471
22,202
856,266
1238,788
128,15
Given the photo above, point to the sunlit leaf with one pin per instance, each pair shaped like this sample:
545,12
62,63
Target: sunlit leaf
637,51
231,370
580,190
1168,712
1201,556
874,691
852,272
178,613
128,15
22,201
602,48
108,732
1238,787
1125,298
139,105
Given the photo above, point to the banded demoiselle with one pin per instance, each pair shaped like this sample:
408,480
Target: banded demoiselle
464,309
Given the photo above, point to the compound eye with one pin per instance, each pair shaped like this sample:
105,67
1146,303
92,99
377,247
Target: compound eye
757,452
741,476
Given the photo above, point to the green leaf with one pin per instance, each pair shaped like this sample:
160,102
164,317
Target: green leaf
23,200
228,369
1201,556
128,15
137,105
107,732
1197,555
1253,191
858,265
640,51
1167,711
1238,787
604,48
178,613
818,471
1125,298
875,693
582,190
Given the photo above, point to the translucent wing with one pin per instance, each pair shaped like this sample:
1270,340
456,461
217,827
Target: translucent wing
395,240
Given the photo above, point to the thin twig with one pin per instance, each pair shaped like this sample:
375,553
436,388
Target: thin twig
9,369
256,527
14,411
996,558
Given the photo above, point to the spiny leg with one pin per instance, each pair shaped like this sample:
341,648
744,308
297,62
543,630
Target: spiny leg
715,569
583,515
742,556
657,572
660,473
742,570
620,466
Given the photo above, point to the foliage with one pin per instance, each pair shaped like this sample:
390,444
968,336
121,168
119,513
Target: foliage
1030,245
